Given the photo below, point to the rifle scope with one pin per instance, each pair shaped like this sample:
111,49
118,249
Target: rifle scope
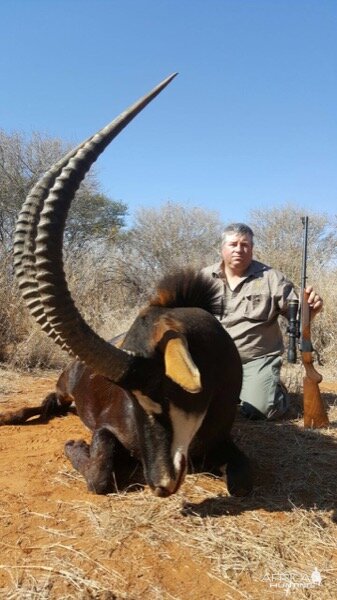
292,330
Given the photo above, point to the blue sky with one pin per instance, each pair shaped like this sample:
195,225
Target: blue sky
250,122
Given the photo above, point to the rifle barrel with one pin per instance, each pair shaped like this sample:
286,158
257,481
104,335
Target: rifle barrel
305,221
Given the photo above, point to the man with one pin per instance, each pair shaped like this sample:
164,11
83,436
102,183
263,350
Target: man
251,297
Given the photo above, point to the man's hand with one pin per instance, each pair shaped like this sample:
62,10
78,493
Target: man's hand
314,300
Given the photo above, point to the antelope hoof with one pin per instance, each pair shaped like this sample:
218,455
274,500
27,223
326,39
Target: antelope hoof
75,446
239,480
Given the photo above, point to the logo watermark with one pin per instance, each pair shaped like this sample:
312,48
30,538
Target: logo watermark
292,580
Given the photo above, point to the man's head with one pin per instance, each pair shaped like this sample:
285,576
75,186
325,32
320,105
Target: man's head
237,247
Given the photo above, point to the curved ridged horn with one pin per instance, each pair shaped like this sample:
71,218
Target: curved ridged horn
24,241
66,324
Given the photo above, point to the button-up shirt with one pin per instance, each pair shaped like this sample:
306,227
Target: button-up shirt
250,311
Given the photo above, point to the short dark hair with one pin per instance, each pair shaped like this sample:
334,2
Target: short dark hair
239,228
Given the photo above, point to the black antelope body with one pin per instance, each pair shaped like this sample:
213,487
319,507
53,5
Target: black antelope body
167,393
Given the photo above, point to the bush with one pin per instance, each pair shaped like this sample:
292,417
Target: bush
111,280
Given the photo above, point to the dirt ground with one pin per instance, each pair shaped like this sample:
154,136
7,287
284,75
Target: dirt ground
59,541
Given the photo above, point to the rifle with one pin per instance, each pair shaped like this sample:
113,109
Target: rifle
314,409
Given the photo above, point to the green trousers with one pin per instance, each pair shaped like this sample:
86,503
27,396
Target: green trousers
262,394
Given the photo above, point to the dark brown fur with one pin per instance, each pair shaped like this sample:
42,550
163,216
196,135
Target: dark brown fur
182,307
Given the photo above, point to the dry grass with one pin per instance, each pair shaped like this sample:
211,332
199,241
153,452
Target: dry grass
132,545
255,550
9,381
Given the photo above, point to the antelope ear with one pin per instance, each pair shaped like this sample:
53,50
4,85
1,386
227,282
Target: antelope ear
180,367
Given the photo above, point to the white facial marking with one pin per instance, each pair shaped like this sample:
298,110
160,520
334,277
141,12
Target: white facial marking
147,404
129,352
185,425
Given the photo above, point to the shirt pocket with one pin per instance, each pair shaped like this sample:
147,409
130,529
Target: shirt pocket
257,307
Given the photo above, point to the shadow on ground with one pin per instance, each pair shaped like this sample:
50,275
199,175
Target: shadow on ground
292,466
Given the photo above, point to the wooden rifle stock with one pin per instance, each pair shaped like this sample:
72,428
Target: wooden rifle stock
314,409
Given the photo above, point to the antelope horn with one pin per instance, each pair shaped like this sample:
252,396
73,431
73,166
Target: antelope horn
38,251
24,242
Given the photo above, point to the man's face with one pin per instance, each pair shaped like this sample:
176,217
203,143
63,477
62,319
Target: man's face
237,252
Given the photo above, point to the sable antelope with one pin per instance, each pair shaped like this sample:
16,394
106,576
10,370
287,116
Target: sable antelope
167,391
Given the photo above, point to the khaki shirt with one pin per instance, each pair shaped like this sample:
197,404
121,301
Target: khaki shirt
250,311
